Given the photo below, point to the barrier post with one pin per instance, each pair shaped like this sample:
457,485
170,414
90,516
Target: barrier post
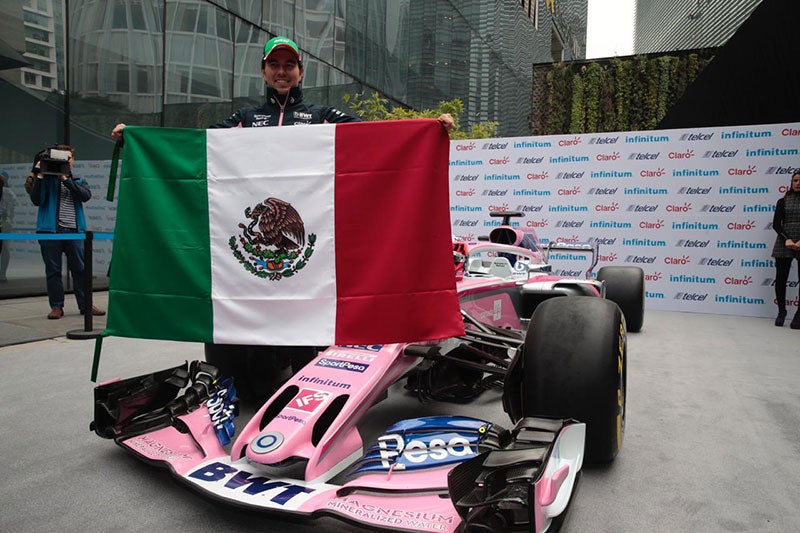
87,332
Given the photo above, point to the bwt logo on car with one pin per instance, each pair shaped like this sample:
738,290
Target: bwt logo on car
657,173
641,259
466,177
607,208
691,243
537,175
694,190
683,260
604,140
570,175
782,170
342,365
530,160
657,225
613,156
716,154
715,262
466,192
745,134
694,173
691,296
718,208
495,146
742,226
643,156
749,171
604,190
674,208
465,147
495,192
642,208
697,136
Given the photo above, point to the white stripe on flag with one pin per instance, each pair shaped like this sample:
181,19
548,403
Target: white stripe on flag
245,167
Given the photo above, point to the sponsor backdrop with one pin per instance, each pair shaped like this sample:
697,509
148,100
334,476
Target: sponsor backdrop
692,208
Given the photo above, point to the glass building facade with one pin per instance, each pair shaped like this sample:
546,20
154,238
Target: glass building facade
687,24
90,64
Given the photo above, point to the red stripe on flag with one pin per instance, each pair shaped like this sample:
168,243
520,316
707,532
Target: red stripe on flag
394,261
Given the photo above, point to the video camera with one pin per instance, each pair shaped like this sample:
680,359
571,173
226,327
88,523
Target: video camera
54,162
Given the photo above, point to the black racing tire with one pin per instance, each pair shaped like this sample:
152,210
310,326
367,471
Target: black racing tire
257,371
625,287
574,366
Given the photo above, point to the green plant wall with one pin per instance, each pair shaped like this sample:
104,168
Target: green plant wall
619,94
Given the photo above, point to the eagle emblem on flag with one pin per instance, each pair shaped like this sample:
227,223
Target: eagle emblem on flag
273,244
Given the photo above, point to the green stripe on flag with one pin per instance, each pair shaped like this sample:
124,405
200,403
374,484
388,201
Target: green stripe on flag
160,281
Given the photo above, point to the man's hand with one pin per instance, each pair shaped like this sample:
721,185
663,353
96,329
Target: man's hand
446,120
116,133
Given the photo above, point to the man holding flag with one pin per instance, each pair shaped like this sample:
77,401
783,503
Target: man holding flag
282,71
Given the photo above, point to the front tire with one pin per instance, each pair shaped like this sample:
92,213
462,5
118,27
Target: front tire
574,366
625,287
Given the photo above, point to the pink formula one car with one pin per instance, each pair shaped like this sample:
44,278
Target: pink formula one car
560,361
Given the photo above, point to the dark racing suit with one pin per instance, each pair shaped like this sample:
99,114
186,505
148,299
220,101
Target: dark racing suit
288,110
259,370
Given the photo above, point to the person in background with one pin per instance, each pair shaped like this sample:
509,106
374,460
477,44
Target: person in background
7,202
786,223
60,200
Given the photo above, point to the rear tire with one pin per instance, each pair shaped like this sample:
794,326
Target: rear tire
625,287
574,366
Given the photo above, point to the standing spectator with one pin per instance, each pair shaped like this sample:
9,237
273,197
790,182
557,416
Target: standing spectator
786,223
7,202
60,200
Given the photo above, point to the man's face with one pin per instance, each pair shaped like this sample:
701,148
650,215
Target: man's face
281,71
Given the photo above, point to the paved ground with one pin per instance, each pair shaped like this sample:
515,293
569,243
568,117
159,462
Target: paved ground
712,441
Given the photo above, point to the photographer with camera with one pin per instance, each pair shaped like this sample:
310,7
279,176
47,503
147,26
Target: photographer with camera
60,197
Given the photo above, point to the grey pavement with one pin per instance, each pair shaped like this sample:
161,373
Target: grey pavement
712,441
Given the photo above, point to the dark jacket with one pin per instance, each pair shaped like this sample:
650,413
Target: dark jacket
289,110
44,193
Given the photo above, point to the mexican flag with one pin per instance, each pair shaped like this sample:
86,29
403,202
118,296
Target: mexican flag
308,235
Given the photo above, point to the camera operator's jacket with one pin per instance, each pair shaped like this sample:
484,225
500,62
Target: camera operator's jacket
287,110
44,193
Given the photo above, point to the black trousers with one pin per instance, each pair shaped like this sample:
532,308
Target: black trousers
782,267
